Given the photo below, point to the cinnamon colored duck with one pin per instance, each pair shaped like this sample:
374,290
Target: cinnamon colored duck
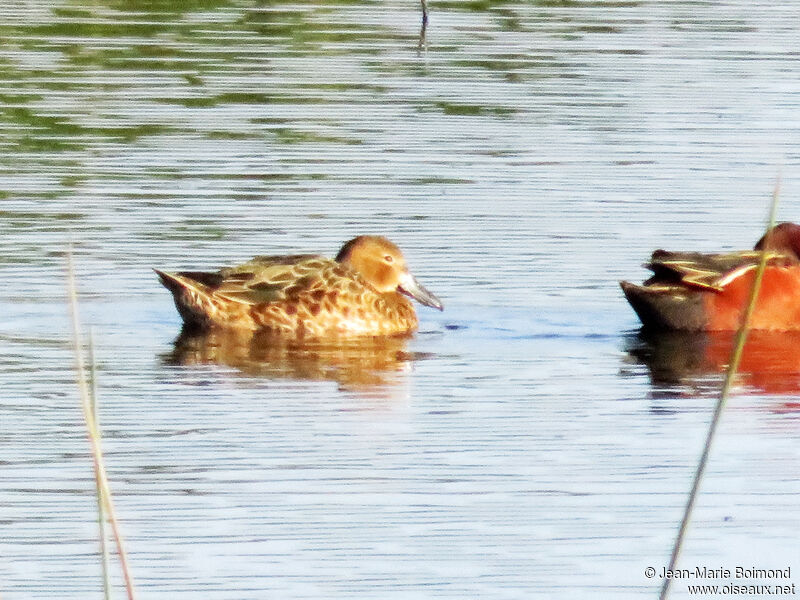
364,291
708,292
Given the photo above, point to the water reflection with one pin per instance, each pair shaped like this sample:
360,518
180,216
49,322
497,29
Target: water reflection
770,361
528,157
355,364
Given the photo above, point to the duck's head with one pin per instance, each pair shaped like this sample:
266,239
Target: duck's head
382,264
784,237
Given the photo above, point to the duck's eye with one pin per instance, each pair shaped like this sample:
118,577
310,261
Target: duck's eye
388,258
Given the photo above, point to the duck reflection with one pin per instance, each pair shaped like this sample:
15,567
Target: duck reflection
354,364
770,362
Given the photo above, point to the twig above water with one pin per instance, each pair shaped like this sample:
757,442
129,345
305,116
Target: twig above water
424,26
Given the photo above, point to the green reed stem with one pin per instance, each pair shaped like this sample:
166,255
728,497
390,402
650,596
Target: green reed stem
101,508
88,405
733,366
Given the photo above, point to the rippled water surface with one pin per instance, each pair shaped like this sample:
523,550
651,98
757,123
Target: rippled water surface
525,155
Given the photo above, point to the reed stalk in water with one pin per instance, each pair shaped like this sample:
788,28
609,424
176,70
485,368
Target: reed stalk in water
89,407
423,26
101,509
733,366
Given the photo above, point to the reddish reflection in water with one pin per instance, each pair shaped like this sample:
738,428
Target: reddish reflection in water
770,362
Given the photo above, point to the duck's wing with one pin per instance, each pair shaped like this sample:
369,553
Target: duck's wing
707,271
274,278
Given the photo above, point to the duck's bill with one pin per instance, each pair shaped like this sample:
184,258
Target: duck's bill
411,287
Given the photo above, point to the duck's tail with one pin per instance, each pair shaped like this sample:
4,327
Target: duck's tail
666,306
193,294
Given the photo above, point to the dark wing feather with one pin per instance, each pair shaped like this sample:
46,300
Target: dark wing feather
706,271
210,280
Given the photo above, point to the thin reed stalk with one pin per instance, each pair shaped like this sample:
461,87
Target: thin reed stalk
101,509
423,26
733,366
88,405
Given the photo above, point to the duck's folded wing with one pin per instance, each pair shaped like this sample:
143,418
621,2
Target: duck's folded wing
706,271
272,278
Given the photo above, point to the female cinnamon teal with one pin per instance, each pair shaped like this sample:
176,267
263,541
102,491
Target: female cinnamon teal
362,292
708,292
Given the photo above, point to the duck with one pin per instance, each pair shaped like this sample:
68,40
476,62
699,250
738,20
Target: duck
363,291
693,291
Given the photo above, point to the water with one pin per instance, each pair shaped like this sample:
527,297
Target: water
528,156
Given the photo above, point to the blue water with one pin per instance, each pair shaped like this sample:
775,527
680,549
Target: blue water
527,158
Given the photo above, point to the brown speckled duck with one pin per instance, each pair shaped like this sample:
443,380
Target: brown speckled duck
362,292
